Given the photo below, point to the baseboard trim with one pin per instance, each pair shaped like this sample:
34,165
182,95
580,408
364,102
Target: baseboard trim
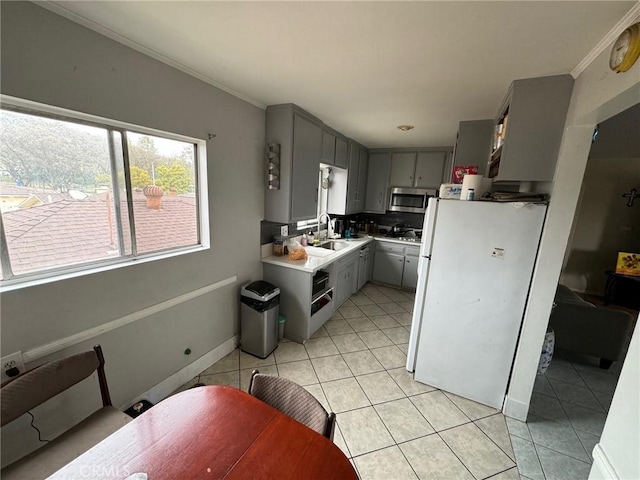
515,409
602,465
163,389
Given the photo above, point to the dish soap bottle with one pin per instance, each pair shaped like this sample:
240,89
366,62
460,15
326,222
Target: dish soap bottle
303,241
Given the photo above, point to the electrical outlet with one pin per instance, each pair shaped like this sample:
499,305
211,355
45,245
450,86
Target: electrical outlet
9,362
498,252
284,230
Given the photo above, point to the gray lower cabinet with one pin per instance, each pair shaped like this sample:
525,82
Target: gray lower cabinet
377,182
410,272
387,268
364,267
396,264
346,278
388,263
300,138
296,301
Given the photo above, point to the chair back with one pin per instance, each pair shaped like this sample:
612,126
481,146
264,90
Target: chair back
36,386
294,401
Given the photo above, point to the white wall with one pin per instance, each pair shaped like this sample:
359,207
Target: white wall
617,456
605,225
598,94
49,59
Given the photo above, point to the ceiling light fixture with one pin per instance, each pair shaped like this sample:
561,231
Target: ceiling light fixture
405,128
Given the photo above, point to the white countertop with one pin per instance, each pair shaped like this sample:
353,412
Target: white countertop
312,264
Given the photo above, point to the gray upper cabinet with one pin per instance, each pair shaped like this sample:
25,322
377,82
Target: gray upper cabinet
430,169
529,128
423,168
334,148
363,167
342,152
473,144
328,147
403,167
357,178
300,138
307,138
377,182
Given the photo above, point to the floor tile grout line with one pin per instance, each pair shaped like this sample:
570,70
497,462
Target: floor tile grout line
569,401
492,440
499,473
536,451
570,423
454,453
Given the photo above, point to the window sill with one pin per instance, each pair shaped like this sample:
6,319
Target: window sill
42,279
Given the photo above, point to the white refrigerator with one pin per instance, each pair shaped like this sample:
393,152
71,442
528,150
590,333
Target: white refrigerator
474,273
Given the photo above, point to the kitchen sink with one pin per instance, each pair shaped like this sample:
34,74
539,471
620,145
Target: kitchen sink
318,252
334,245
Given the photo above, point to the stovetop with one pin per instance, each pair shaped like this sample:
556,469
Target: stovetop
405,235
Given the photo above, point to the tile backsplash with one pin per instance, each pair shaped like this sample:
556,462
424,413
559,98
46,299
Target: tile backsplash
413,220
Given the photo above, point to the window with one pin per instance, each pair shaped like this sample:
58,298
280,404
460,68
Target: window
303,224
79,191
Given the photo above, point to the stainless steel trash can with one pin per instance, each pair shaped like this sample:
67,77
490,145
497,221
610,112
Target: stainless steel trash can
259,309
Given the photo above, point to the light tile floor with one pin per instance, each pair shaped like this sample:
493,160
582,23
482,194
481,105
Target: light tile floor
390,426
568,409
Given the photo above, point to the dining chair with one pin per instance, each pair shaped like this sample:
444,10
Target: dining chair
294,401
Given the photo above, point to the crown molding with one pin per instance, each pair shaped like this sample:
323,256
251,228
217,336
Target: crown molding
102,30
629,19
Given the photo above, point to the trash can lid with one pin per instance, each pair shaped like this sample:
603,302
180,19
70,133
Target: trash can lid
260,290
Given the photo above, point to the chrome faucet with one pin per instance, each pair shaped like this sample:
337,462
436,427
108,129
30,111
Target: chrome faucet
328,224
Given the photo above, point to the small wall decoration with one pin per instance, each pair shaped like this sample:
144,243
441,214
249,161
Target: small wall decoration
273,166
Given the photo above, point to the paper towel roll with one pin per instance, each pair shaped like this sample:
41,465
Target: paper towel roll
471,181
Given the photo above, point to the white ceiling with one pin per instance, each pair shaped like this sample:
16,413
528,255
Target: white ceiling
365,67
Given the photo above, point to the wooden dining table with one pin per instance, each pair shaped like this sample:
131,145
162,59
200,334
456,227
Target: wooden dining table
212,432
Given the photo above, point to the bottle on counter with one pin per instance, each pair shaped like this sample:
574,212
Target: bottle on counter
304,241
471,193
278,246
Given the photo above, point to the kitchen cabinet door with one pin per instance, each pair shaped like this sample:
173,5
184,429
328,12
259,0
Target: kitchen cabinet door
526,147
430,169
342,153
352,180
410,273
345,285
307,151
377,183
388,267
403,166
473,143
328,147
363,166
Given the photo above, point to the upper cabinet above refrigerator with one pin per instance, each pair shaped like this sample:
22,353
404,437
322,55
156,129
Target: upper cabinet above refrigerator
528,130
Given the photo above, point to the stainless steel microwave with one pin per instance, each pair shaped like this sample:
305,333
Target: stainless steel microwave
413,200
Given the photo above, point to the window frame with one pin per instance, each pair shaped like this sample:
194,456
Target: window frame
53,274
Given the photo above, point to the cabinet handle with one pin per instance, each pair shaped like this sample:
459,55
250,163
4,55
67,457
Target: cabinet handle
316,195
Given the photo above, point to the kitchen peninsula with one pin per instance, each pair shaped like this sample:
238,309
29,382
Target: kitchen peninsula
313,289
